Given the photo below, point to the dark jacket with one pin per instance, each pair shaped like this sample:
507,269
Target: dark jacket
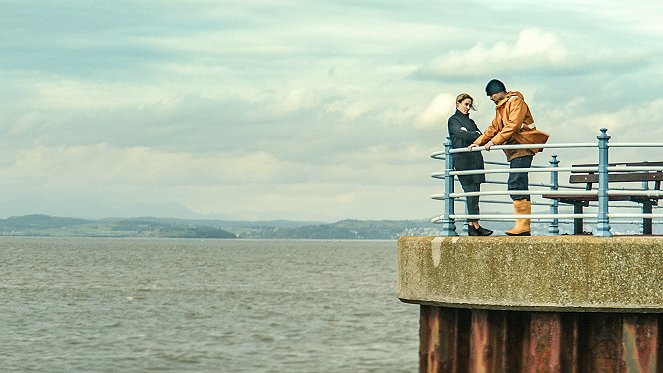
462,139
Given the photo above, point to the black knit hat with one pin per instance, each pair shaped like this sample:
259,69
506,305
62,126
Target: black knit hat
494,86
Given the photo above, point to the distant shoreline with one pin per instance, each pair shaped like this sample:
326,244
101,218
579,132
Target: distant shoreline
39,225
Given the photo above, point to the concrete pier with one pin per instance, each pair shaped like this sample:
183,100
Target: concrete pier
535,304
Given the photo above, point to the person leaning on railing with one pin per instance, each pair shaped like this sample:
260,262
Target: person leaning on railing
513,124
463,131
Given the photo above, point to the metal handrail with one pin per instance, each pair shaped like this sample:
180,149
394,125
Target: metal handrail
516,170
527,146
569,193
644,193
440,175
602,190
635,144
439,218
626,215
524,216
635,168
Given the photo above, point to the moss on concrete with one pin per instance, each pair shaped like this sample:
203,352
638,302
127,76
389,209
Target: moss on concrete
565,273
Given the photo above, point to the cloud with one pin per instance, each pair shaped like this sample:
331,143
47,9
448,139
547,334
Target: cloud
435,115
532,49
239,185
626,124
645,19
328,110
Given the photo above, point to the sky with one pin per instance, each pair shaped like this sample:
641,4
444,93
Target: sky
299,110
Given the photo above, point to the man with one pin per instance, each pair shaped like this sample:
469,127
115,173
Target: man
511,126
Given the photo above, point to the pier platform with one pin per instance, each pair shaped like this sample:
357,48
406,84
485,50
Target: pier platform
535,304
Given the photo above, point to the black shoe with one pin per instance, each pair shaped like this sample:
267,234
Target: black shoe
483,231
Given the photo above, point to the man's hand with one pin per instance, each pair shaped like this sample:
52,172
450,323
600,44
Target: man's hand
488,146
472,146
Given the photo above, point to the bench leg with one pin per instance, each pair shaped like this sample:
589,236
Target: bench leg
577,222
646,222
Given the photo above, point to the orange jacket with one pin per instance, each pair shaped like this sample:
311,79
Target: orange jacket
511,126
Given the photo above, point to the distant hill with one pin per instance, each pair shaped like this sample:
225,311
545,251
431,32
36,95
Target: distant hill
344,229
44,225
38,221
223,223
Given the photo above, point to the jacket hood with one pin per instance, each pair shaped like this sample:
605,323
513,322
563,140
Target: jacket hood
509,95
514,93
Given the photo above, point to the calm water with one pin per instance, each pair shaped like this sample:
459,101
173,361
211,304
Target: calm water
203,306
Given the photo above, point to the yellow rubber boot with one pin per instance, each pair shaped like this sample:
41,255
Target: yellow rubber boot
522,227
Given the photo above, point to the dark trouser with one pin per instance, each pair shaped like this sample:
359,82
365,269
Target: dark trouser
472,203
519,180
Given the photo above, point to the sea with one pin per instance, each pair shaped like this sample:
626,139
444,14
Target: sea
171,305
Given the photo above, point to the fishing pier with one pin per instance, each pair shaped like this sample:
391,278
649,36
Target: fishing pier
564,300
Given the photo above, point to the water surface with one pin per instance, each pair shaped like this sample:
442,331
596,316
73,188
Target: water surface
85,304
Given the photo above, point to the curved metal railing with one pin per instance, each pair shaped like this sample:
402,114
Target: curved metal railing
604,190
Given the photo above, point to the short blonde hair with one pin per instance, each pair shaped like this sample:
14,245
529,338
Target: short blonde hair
463,96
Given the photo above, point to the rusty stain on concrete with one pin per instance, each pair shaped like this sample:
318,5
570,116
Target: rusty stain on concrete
436,250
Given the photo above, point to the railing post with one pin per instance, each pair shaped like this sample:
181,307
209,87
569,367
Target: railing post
646,209
448,224
466,225
553,228
602,221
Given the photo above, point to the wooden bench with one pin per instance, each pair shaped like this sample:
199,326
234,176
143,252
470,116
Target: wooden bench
589,178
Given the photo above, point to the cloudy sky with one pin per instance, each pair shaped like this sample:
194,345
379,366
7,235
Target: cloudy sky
302,110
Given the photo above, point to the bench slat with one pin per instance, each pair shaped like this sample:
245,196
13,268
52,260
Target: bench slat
593,198
634,164
617,177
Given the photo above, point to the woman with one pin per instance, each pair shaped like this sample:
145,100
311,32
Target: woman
463,131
